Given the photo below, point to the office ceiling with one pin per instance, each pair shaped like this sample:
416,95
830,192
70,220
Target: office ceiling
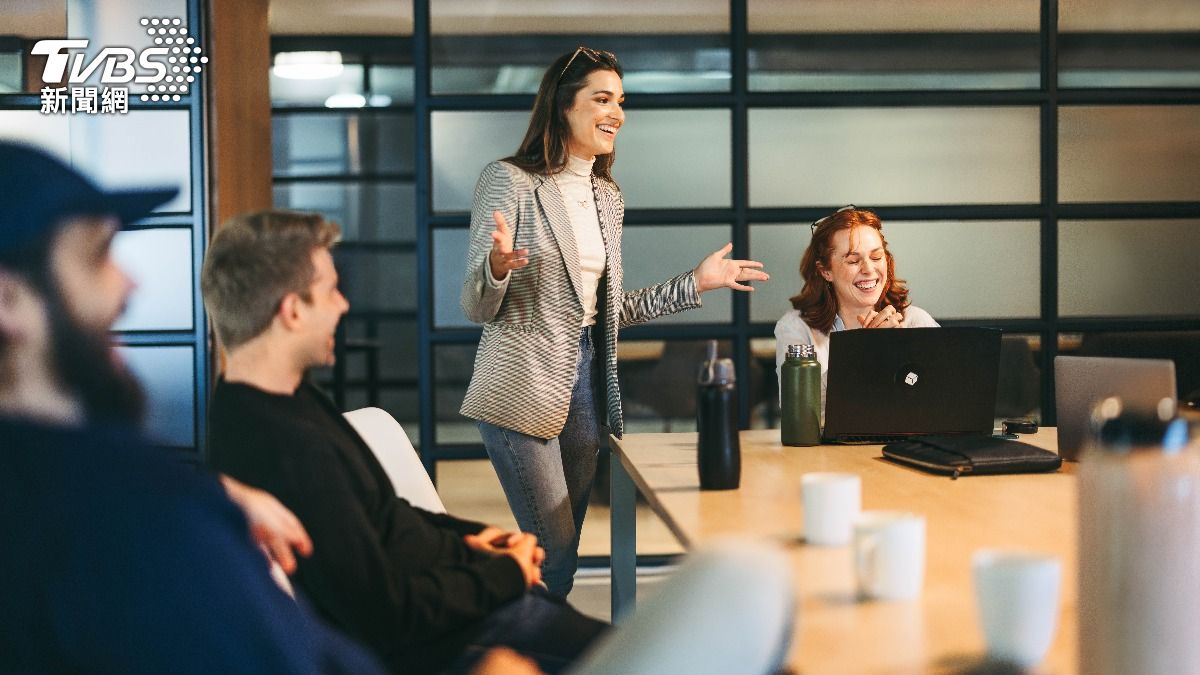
47,18
467,17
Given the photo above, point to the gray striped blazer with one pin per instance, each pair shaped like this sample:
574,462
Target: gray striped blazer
525,365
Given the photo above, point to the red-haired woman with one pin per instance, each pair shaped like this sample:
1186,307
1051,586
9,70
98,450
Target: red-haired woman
849,282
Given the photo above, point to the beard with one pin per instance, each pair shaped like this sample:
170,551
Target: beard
88,366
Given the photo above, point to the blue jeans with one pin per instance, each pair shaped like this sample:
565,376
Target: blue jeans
548,482
538,625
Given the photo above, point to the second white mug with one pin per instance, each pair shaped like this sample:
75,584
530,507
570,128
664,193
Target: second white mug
889,554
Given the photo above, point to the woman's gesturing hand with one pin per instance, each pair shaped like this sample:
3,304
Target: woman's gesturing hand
502,257
716,271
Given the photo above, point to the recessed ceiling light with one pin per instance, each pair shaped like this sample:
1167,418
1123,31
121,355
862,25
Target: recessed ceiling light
307,65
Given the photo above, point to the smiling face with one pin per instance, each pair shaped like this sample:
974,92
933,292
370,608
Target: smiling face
857,269
596,115
323,310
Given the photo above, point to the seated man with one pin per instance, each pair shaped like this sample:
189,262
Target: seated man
424,590
116,558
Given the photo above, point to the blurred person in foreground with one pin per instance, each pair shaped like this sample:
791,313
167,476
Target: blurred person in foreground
117,558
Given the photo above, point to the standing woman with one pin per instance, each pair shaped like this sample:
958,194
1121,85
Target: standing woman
544,278
850,282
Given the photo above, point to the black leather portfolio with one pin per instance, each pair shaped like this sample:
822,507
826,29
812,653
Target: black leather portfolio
965,455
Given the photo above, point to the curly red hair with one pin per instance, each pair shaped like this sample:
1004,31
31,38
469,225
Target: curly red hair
816,301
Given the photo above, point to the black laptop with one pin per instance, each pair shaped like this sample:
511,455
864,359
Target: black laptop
884,385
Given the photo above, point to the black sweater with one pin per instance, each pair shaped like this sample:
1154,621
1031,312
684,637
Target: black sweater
398,578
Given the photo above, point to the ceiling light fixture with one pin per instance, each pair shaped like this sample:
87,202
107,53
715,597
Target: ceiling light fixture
307,65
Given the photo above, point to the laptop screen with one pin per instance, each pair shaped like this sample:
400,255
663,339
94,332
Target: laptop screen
900,382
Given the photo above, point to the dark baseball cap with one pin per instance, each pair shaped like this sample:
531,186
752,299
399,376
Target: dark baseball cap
37,191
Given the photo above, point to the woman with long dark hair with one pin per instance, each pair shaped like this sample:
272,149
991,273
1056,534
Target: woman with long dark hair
544,278
850,282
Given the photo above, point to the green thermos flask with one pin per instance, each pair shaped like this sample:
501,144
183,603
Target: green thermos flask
800,396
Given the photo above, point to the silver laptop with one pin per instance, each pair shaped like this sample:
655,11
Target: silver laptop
1080,382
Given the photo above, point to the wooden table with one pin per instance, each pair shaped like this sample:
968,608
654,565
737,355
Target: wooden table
837,632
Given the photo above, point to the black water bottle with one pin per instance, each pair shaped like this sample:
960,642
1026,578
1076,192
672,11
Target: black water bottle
719,455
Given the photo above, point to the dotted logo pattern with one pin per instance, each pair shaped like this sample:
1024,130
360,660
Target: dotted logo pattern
185,60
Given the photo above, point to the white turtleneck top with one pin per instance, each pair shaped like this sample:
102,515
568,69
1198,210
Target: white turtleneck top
575,184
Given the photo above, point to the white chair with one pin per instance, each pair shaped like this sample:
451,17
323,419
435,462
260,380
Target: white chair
728,609
386,438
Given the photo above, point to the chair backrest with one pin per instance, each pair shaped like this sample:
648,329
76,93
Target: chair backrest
395,452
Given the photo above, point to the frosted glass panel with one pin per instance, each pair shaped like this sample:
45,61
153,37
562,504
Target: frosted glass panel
376,212
1129,153
1153,16
505,47
674,159
449,270
395,82
10,73
452,369
1128,268
168,377
778,248
878,16
308,144
377,280
802,157
954,269
160,263
660,162
142,148
51,133
463,143
654,254
839,45
968,270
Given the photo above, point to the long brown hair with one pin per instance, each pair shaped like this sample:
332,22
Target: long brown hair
817,301
544,149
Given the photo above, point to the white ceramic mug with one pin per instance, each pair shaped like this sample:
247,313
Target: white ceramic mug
1018,603
889,554
832,502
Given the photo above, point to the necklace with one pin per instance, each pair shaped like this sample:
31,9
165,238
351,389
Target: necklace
583,203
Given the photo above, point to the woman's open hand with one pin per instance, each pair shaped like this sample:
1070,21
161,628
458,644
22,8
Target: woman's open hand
502,257
716,271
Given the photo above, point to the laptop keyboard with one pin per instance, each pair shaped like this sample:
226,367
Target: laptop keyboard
869,440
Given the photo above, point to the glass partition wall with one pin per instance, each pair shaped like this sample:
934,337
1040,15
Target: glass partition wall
163,333
1036,162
